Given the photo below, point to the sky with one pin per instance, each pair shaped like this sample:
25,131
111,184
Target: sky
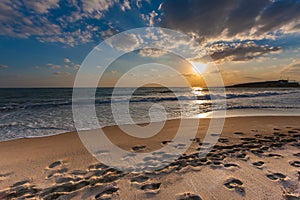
44,43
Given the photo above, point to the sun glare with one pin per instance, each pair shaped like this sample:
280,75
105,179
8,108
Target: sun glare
198,67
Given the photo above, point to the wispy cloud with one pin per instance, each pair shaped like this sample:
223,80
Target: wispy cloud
53,66
292,69
59,73
68,65
3,66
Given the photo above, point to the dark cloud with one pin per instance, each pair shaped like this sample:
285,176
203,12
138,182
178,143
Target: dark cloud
199,16
243,17
278,14
244,51
230,18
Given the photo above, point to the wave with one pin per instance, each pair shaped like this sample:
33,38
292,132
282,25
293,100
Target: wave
260,94
261,107
139,99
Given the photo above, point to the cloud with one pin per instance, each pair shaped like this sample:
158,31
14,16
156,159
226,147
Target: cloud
33,19
151,18
41,7
59,73
74,23
152,15
231,19
3,66
239,51
67,60
125,6
109,32
96,8
149,52
278,15
53,66
68,65
291,70
76,66
15,23
126,42
70,38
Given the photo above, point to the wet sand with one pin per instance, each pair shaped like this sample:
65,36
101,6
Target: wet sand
255,158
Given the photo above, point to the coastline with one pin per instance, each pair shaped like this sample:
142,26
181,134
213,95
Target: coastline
29,160
208,115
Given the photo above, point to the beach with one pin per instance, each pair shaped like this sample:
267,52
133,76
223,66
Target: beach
158,100
255,158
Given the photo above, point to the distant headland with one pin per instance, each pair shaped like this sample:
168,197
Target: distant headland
278,83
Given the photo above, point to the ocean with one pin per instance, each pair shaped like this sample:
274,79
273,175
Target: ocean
48,111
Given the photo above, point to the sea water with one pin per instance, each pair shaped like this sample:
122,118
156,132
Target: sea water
48,111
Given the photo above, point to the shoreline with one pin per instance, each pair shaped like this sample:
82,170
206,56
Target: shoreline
229,114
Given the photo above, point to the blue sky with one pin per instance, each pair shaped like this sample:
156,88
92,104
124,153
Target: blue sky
43,43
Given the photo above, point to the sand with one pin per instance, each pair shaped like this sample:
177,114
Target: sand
255,158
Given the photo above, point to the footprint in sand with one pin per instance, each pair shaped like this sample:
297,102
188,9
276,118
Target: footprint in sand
295,163
223,140
242,156
5,176
179,146
20,183
297,155
231,166
56,168
274,155
61,190
195,139
20,190
78,172
96,166
139,179
276,176
138,148
258,135
64,179
58,172
258,164
166,142
296,144
151,189
292,132
238,133
55,164
188,196
107,194
150,186
235,184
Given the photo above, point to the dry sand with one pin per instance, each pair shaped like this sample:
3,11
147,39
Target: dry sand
255,158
